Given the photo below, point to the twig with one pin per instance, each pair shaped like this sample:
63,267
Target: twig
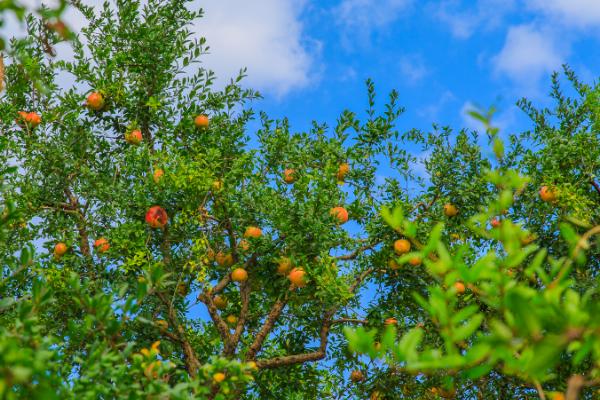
357,252
539,389
595,185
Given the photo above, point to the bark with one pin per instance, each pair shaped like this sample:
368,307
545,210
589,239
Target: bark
316,355
267,326
221,325
595,185
239,329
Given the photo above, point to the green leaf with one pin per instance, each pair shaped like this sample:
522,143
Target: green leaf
409,343
464,313
466,330
545,355
393,218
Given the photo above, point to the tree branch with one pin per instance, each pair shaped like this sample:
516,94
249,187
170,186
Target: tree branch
540,390
595,185
426,207
191,361
306,357
221,326
349,320
266,327
235,338
84,241
323,336
574,386
221,285
357,252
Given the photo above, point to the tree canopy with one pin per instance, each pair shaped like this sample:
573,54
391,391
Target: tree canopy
153,246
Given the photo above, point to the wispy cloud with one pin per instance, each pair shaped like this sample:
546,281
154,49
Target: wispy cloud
465,18
575,13
359,18
412,68
431,112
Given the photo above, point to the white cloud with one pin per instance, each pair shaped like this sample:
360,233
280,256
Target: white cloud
366,15
528,54
266,36
359,19
412,68
464,21
581,13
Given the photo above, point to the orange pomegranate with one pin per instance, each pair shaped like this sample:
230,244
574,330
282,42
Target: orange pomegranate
224,259
547,194
356,376
289,176
201,121
239,275
157,217
401,246
60,249
95,101
415,261
244,245
253,232
298,277
33,119
134,137
220,302
343,170
460,287
450,210
101,245
284,266
158,174
340,214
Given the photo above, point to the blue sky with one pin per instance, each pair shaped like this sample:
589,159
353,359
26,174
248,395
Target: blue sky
310,58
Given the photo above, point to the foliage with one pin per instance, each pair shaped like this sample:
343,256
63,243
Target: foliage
522,306
143,304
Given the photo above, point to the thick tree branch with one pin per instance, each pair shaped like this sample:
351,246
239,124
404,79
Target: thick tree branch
221,285
574,386
221,325
540,390
266,327
320,353
317,355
